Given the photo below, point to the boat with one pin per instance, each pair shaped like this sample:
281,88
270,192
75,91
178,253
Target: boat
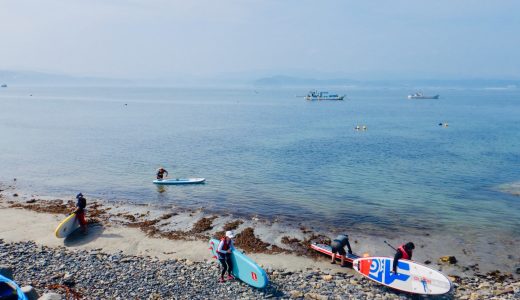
421,96
4,85
316,95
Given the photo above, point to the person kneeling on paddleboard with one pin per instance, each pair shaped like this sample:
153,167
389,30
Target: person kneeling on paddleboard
80,212
405,252
225,247
338,246
161,173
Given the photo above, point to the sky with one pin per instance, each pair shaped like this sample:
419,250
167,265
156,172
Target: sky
441,39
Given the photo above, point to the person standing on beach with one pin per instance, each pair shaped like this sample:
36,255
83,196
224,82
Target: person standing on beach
225,247
161,173
338,246
81,204
405,252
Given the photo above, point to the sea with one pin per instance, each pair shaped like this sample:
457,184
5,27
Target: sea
420,165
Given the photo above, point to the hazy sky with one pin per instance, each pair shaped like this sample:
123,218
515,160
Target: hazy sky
355,39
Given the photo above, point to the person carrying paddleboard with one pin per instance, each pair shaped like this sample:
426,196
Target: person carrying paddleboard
338,246
224,249
404,251
161,173
81,204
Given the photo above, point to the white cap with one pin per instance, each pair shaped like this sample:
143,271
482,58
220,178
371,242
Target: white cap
230,234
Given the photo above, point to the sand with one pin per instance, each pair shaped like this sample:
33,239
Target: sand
23,225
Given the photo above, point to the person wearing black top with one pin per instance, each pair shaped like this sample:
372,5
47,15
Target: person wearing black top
403,252
161,173
338,246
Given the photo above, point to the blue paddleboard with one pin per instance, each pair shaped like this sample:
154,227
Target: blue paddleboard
244,268
179,181
9,290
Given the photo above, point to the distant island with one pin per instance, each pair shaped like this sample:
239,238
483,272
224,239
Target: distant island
289,81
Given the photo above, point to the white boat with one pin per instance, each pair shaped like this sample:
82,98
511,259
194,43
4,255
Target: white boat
316,95
421,96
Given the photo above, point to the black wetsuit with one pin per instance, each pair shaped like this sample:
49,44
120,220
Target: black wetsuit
339,243
160,173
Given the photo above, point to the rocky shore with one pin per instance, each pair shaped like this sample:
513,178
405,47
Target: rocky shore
174,263
94,274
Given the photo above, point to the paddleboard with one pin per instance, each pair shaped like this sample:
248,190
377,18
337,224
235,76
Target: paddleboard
326,249
9,290
411,277
244,268
67,226
179,181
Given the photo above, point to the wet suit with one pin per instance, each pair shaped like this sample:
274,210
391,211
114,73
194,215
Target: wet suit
161,172
339,243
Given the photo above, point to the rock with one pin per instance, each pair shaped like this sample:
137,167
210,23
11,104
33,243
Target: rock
315,296
30,292
50,296
6,271
327,277
474,296
517,271
296,294
448,259
427,262
503,292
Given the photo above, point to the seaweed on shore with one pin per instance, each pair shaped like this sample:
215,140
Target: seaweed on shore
204,224
247,241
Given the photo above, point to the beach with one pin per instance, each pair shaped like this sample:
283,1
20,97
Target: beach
169,251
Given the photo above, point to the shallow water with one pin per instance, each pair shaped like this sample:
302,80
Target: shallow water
276,155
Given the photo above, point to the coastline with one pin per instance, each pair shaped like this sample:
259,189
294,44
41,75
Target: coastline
181,235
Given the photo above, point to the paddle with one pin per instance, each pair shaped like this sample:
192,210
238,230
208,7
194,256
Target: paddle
390,245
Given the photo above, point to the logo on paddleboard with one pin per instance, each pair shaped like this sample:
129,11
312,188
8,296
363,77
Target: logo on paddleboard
253,275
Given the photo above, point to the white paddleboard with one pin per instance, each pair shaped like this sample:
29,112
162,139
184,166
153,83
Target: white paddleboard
411,277
67,226
179,181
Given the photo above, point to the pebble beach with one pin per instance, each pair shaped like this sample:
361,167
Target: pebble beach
160,263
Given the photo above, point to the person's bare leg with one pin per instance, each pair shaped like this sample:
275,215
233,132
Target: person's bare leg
333,258
343,261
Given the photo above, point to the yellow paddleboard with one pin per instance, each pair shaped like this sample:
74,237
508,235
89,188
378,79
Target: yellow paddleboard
66,227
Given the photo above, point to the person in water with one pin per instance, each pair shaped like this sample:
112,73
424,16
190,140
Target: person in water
405,252
161,173
81,204
225,247
338,246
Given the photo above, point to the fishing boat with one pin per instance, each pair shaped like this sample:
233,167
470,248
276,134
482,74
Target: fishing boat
421,96
316,95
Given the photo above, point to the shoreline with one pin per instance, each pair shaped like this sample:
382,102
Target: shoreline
262,236
147,232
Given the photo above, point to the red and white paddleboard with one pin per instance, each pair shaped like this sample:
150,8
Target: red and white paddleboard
411,277
326,249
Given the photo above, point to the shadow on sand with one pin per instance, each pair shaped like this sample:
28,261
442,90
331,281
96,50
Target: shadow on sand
77,238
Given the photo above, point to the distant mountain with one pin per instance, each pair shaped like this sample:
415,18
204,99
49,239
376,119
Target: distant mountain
40,78
281,80
297,81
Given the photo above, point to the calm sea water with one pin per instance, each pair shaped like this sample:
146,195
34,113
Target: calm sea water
270,153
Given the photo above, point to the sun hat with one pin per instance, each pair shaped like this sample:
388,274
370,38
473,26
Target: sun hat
230,234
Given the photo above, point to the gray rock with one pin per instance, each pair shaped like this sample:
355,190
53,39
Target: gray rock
30,292
50,296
